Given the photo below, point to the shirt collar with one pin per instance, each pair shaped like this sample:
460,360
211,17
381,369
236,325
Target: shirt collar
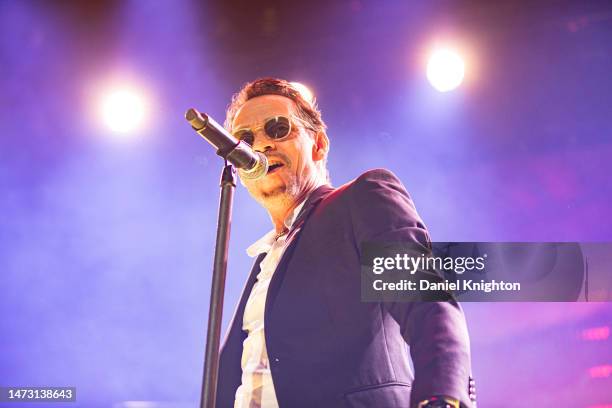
264,243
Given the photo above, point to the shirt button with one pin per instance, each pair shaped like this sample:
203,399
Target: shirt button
276,360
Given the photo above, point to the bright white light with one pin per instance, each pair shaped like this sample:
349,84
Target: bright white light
445,70
303,89
123,110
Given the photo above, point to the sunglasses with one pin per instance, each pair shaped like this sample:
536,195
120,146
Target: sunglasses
277,128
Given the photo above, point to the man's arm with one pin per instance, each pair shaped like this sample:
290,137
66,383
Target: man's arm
382,211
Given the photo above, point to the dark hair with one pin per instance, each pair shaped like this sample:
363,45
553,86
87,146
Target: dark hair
306,109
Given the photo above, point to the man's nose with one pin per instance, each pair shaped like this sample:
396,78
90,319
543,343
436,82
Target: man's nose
262,143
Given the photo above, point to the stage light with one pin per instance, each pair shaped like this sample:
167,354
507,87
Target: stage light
445,69
596,333
602,371
123,110
303,89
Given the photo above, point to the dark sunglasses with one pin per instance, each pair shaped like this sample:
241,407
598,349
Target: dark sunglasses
277,128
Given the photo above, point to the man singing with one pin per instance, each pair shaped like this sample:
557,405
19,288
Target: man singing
301,336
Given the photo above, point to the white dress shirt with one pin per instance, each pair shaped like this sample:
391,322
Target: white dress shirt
257,388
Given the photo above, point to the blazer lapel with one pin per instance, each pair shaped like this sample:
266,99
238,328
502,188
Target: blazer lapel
277,278
230,370
236,322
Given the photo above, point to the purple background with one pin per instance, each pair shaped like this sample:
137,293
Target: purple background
106,244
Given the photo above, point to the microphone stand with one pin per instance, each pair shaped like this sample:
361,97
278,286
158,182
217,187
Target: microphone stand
255,165
215,311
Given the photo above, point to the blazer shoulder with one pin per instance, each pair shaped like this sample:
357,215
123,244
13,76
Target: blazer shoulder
374,178
376,174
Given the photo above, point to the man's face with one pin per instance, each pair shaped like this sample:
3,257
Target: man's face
296,154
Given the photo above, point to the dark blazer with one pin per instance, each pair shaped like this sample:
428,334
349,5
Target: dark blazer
326,347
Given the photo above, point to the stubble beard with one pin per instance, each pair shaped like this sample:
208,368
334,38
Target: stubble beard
281,196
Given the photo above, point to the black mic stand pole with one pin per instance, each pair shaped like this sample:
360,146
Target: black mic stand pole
215,311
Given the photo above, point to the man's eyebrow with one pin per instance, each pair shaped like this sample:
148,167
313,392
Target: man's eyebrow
250,126
243,127
233,127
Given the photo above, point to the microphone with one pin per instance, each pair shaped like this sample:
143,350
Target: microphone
253,165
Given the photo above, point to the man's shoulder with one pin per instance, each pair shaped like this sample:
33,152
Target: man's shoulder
376,175
365,189
373,179
380,208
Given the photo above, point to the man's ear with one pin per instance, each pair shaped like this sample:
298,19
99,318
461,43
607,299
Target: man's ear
320,146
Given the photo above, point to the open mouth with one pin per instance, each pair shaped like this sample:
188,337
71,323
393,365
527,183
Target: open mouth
275,166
